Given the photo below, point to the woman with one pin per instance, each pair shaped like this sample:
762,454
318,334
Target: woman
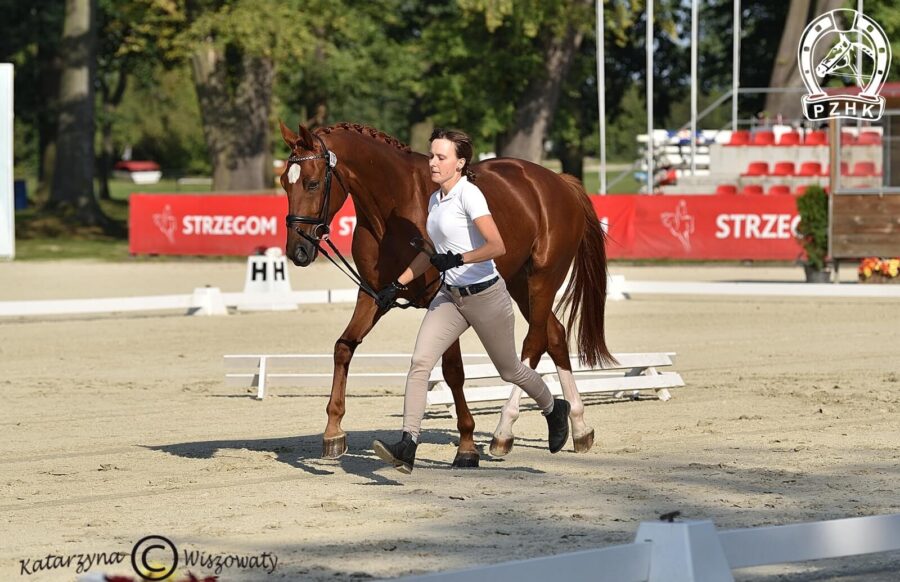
466,241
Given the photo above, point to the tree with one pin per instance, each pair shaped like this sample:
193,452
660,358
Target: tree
235,48
73,178
30,40
135,40
560,38
365,66
785,71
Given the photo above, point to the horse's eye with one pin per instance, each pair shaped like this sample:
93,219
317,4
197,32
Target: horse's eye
313,185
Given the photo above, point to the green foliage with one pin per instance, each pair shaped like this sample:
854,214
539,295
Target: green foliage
365,65
812,206
888,16
160,120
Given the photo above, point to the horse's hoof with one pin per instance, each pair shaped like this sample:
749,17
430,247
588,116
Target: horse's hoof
501,446
334,447
466,460
584,442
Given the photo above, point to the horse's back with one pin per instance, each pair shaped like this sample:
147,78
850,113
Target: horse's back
538,210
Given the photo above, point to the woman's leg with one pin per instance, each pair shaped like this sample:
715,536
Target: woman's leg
443,324
491,316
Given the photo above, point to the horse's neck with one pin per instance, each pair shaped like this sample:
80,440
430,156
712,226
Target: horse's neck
388,187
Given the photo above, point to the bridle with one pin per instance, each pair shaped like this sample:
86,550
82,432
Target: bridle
321,229
320,222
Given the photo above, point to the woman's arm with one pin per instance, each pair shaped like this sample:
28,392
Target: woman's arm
493,246
418,266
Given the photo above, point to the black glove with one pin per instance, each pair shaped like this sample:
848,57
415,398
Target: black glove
447,260
384,299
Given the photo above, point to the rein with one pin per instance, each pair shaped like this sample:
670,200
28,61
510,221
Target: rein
321,230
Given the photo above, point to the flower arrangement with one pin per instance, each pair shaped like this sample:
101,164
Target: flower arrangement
875,270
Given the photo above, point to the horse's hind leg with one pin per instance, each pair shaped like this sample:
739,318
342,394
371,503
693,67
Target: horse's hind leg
454,375
502,441
582,434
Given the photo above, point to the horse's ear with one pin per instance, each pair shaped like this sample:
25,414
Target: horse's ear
290,138
306,138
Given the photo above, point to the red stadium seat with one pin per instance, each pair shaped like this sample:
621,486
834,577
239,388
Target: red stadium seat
816,138
790,138
864,169
752,190
847,138
779,190
810,169
845,169
784,169
869,138
757,169
726,189
739,138
764,138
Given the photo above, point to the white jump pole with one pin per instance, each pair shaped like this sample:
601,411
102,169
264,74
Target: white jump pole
601,91
695,12
735,63
7,204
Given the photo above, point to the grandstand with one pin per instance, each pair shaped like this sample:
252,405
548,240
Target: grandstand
780,159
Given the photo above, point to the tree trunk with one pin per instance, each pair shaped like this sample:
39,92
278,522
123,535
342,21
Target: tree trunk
534,112
73,176
785,72
572,158
50,70
235,102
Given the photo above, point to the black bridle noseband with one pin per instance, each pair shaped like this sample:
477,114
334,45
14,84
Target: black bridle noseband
322,230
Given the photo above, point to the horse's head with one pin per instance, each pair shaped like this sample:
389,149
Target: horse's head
307,179
832,60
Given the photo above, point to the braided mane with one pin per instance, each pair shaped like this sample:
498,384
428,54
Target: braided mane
368,131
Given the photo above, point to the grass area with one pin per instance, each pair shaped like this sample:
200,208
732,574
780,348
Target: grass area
122,189
38,249
627,185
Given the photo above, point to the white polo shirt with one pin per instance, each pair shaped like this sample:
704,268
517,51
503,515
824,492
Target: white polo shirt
451,227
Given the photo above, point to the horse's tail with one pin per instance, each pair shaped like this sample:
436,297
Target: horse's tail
586,291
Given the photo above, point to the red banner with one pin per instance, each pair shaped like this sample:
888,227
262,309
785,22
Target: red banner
700,227
187,224
639,227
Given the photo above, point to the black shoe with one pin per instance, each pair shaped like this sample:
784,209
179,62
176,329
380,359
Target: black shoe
401,455
558,425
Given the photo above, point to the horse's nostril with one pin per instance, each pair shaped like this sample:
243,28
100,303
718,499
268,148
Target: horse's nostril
301,257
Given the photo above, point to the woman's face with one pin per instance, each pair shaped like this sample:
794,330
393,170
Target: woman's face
444,164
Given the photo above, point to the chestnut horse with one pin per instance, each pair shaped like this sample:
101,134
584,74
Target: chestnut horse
546,221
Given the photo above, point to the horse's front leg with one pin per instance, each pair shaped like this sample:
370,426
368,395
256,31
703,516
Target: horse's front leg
334,442
454,375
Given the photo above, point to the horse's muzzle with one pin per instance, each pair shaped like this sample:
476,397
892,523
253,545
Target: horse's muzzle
303,256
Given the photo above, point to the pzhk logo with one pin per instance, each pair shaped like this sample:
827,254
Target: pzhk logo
862,54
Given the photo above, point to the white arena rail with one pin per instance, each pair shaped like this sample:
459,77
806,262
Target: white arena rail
694,551
211,301
635,372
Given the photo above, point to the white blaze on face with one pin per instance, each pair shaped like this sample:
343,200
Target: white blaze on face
294,174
